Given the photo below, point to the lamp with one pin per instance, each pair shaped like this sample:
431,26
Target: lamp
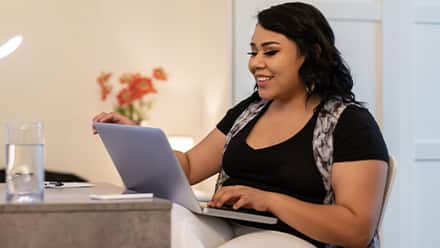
181,143
10,46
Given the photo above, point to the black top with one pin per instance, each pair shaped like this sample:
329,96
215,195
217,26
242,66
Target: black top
289,167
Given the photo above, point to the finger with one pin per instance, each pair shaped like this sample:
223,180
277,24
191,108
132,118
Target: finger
228,198
98,117
95,120
94,129
107,118
233,193
103,117
217,196
117,118
231,200
125,120
240,203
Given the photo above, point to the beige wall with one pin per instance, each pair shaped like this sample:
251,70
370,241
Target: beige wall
51,77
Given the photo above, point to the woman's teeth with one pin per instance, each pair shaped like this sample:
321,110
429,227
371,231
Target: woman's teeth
263,79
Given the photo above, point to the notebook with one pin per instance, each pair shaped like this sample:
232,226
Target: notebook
147,164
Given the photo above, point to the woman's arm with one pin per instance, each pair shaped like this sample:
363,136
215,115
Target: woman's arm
204,159
352,220
199,163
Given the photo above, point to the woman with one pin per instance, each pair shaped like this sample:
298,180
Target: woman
301,147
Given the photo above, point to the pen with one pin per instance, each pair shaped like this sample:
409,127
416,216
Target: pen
53,184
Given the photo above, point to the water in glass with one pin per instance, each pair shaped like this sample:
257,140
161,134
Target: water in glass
25,163
23,174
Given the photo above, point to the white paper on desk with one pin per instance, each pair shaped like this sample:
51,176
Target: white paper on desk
69,185
120,196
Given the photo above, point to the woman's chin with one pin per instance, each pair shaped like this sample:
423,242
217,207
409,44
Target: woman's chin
265,95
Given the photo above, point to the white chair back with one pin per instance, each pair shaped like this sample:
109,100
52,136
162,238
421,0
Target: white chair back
388,186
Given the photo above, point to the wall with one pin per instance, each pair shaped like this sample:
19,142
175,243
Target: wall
51,77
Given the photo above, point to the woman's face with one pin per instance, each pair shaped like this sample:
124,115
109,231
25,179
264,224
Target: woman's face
275,61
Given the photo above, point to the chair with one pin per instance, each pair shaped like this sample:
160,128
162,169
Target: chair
388,186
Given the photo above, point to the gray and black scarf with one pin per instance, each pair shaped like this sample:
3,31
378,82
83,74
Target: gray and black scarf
326,122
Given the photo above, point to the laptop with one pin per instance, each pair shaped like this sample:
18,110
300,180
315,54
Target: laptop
147,164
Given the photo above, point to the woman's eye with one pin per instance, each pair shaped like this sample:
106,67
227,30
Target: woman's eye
268,53
271,53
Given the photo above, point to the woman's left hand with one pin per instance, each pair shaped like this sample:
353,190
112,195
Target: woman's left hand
241,196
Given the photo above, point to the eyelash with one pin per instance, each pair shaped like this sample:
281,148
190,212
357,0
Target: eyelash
268,53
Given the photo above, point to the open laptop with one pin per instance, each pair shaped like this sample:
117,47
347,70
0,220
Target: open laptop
147,164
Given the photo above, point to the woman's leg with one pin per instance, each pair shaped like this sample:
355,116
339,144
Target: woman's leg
189,230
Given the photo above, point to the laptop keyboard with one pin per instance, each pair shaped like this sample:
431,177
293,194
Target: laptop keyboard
244,210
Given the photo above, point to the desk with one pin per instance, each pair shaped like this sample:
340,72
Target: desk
68,218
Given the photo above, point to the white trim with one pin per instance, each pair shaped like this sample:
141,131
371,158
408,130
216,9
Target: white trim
427,150
350,11
398,116
427,14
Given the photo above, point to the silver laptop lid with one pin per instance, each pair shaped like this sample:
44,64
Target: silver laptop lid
146,162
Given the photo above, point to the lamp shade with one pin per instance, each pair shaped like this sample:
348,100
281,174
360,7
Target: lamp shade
10,46
181,143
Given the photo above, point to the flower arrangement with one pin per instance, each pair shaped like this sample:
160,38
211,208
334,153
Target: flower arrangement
131,98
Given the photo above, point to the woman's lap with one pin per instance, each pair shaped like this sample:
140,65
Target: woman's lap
261,239
192,230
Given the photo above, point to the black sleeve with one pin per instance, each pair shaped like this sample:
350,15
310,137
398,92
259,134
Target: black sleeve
228,120
357,137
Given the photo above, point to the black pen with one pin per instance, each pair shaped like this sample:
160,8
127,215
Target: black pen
53,184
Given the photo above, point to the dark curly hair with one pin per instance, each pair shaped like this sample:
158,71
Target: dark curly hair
324,72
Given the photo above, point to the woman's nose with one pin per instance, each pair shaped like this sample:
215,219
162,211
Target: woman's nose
256,62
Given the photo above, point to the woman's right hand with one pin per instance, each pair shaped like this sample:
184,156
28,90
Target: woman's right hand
111,117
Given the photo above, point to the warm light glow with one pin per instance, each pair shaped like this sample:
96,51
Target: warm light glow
181,143
10,46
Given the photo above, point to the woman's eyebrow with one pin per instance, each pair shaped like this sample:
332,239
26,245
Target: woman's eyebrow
267,43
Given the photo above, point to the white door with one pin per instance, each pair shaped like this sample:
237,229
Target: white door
392,49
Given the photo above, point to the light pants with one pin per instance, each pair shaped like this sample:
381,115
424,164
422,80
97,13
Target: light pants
189,230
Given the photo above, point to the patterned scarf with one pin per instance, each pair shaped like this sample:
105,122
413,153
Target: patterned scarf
322,144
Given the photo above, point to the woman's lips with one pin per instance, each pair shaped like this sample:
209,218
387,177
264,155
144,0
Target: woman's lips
262,82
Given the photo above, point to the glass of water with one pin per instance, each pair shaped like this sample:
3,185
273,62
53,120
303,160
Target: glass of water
24,162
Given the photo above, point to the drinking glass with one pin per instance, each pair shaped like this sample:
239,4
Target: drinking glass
24,162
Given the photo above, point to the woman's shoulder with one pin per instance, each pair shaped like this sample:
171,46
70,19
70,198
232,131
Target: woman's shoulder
357,114
347,111
243,104
357,136
232,114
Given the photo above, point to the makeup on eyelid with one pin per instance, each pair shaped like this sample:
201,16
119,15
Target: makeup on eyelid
268,53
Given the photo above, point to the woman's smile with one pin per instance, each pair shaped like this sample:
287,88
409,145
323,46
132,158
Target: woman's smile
263,81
